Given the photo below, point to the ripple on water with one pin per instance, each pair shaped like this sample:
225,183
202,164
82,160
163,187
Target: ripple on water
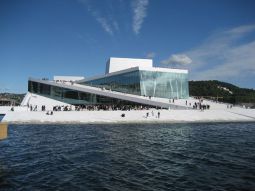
129,157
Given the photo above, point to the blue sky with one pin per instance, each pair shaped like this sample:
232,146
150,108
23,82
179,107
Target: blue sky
42,38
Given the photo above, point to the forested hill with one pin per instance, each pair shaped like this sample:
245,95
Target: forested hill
224,91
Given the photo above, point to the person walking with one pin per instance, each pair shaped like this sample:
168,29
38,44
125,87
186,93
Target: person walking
158,114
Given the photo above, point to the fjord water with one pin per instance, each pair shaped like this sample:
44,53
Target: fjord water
219,156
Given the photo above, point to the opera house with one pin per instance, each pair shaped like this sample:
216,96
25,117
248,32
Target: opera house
126,81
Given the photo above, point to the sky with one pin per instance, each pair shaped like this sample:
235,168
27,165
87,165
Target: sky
213,39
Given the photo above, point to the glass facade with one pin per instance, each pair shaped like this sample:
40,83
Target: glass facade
147,83
164,84
72,96
127,83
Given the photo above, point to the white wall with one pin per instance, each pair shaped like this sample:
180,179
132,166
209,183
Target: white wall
117,64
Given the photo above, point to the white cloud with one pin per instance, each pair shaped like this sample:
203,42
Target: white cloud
225,56
177,59
151,55
104,23
241,30
105,16
139,8
235,62
107,22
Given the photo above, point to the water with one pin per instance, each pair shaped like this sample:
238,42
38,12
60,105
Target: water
217,156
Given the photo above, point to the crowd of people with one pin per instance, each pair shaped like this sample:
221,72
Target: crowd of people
98,107
111,107
62,108
199,105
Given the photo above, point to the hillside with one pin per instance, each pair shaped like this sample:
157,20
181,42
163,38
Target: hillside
225,92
